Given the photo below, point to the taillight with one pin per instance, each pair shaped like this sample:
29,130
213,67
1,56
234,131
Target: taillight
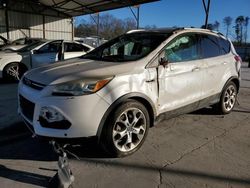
237,58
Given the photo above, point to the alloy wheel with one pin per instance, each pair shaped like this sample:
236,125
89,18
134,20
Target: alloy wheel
229,98
13,71
129,129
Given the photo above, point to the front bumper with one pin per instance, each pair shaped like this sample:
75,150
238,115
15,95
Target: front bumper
83,112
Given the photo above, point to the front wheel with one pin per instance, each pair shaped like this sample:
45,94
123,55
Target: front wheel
126,129
13,72
228,99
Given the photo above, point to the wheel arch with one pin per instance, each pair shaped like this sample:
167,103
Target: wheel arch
235,80
20,63
142,98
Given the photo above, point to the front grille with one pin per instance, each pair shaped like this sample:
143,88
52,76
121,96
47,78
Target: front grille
32,84
27,107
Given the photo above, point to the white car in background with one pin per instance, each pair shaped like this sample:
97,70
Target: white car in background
13,64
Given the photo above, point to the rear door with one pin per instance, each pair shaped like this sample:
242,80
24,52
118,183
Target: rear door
47,54
215,52
180,82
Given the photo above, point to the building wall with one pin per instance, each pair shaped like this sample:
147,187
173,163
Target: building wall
35,25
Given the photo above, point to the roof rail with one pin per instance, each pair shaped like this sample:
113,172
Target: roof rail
201,29
135,30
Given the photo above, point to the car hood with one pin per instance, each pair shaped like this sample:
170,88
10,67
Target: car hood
78,68
7,54
13,47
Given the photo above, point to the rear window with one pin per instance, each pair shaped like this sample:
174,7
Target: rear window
225,46
210,46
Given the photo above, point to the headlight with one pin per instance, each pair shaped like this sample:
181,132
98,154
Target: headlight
77,88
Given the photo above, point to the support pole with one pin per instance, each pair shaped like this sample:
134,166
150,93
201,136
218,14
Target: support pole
137,17
44,27
97,26
206,8
7,20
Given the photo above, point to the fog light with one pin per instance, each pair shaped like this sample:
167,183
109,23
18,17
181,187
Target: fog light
51,118
51,114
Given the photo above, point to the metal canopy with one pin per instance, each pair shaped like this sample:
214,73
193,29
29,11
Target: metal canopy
83,7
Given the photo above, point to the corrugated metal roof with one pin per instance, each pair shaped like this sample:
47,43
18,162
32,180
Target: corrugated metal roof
83,7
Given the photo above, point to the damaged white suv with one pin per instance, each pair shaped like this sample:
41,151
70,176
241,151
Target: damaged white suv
117,91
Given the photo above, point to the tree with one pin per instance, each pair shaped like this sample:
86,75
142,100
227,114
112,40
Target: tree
216,25
212,26
239,23
109,26
227,22
209,26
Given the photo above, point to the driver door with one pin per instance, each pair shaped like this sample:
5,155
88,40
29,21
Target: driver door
47,54
180,81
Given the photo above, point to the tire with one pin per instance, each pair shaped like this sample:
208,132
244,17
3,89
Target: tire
126,129
13,72
227,99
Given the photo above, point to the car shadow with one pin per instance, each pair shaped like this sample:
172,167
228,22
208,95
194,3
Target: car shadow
16,142
3,81
241,111
24,177
205,111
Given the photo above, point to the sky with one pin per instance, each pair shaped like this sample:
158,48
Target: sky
184,13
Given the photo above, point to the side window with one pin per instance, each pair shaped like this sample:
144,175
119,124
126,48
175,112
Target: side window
129,48
209,46
224,46
85,48
73,47
52,47
182,48
19,41
1,42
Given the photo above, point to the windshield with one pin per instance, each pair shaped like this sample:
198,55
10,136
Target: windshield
31,46
128,47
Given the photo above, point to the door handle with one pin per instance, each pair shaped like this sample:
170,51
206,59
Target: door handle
195,69
152,80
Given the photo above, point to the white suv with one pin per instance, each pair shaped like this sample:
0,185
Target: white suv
117,91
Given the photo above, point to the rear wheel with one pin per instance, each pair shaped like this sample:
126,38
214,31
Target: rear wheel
13,72
228,99
126,130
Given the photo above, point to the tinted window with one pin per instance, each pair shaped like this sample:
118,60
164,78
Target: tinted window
19,41
182,48
128,47
52,47
85,48
31,46
73,47
1,42
224,45
209,46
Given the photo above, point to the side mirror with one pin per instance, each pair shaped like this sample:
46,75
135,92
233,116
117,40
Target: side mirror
163,61
35,52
